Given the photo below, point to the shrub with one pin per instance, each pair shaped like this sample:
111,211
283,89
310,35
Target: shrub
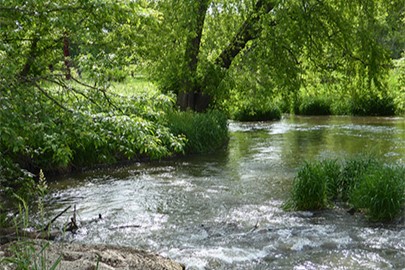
253,112
205,132
380,193
373,105
88,131
315,106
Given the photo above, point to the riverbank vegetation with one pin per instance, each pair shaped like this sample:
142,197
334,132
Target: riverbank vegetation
365,184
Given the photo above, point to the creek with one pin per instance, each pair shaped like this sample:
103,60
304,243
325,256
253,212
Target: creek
224,210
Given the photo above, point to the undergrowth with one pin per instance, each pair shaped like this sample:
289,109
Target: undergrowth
204,132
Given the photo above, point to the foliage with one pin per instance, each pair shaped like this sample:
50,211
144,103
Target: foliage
352,171
380,192
397,83
89,131
346,41
24,255
363,182
266,112
205,132
56,62
372,105
315,186
315,106
47,39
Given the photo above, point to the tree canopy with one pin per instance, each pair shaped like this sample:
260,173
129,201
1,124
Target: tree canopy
203,44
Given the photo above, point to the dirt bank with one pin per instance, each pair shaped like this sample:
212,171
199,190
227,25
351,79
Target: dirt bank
91,257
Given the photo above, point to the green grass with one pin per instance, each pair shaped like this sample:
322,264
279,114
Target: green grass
380,192
205,132
256,112
309,188
134,86
314,186
365,183
26,255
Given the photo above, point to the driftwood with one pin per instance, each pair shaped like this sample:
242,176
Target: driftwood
46,228
124,227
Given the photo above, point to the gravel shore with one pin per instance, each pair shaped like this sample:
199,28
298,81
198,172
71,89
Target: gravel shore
92,257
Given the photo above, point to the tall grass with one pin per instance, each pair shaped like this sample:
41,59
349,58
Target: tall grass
25,253
315,186
315,106
365,183
204,132
380,192
309,190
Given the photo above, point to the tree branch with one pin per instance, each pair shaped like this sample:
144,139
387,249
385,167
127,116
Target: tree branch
248,31
51,98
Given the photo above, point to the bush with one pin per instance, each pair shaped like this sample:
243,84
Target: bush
372,105
205,132
315,106
253,112
37,133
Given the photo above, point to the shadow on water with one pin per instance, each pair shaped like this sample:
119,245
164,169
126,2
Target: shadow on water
224,210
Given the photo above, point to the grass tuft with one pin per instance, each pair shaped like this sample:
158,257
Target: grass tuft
205,132
364,183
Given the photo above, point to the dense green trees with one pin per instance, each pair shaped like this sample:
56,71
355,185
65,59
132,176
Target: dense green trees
261,47
56,61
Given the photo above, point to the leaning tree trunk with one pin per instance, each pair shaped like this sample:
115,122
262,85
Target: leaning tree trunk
192,96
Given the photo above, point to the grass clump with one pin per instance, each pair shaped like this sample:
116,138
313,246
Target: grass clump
380,193
364,183
24,253
314,186
204,132
351,174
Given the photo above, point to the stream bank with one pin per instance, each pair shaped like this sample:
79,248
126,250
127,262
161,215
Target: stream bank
89,257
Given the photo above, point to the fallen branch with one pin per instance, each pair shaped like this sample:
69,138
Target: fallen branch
55,218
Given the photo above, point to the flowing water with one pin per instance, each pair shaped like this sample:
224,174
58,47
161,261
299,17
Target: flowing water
224,210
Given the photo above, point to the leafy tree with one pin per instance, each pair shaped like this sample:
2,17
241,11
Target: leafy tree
56,61
200,46
42,39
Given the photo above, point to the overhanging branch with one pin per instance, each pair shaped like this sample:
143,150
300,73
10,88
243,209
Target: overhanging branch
248,31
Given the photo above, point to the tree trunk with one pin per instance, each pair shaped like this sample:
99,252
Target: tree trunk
248,31
30,59
66,54
189,97
192,97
